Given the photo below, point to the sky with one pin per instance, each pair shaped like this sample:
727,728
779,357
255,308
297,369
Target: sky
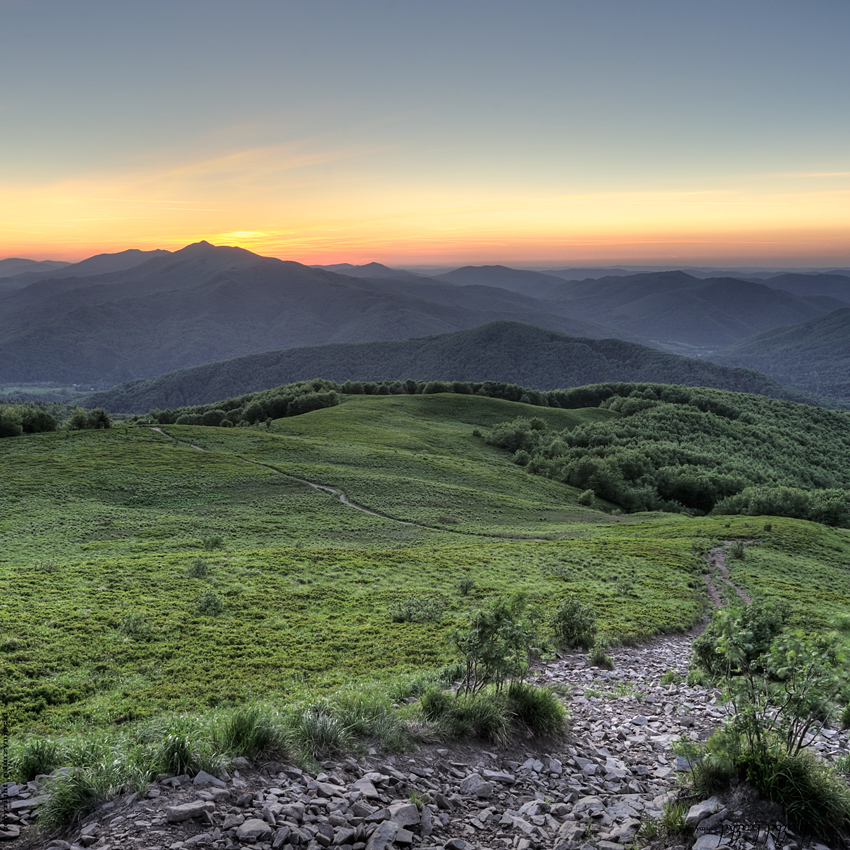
572,132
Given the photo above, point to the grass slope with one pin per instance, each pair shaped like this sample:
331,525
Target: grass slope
105,536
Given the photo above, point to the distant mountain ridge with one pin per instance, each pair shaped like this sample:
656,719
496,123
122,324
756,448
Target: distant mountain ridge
500,351
206,303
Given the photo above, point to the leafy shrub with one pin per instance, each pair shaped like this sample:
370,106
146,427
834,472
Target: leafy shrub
210,603
586,498
135,624
215,541
814,798
417,609
845,717
574,624
738,550
465,585
249,732
198,568
72,795
485,715
176,755
496,645
320,734
671,677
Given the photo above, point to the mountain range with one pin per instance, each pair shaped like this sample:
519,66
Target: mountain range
138,314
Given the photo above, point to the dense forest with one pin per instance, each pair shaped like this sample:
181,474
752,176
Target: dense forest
500,352
695,451
813,355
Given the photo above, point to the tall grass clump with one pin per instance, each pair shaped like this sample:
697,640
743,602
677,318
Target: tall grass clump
73,794
35,757
249,731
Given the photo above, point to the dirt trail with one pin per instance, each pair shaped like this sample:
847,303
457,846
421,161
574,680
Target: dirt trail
717,558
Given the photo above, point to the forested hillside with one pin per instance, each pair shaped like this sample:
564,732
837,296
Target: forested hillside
813,355
695,451
501,351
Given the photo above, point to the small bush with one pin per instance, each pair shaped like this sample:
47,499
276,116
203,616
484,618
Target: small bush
738,550
198,568
135,625
844,717
210,603
586,498
465,585
486,715
417,609
215,541
599,656
671,677
320,734
574,624
47,565
814,798
768,526
673,819
176,755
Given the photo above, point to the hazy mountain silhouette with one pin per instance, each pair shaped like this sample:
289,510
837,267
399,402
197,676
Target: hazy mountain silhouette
16,266
98,264
206,303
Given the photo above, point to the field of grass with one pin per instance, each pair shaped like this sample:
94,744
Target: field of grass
143,573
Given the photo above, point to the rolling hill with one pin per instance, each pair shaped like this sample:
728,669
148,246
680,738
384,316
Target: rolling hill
813,356
499,351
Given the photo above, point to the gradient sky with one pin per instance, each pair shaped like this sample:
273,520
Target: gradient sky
605,131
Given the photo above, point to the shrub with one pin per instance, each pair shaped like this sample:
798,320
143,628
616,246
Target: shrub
465,585
210,603
417,609
214,541
574,624
496,645
599,656
135,624
72,795
814,798
738,550
175,755
586,498
671,677
320,734
198,568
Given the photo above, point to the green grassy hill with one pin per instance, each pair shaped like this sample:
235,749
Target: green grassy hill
113,543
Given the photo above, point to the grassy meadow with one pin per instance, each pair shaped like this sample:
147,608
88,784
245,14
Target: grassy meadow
143,573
